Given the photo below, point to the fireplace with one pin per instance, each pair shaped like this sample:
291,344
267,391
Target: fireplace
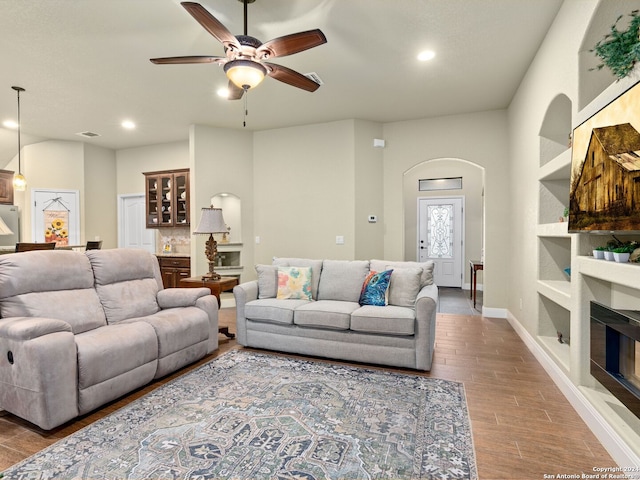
615,352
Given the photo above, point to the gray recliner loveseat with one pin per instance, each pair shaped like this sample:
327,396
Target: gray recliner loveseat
78,330
332,322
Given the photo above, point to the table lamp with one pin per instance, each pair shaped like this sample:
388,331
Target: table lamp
211,221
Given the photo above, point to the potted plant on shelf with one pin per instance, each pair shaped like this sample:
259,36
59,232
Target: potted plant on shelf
598,252
608,253
619,50
621,254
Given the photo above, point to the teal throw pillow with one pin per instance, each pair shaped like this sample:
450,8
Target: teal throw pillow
374,289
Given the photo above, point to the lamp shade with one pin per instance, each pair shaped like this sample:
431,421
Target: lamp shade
245,74
4,229
211,221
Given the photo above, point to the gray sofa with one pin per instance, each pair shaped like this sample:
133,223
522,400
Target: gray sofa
333,323
78,330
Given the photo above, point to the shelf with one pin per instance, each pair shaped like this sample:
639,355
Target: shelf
559,168
558,291
558,229
559,351
621,273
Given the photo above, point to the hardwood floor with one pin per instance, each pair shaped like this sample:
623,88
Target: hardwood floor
523,427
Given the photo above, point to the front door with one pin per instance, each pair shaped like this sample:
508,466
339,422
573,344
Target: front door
440,238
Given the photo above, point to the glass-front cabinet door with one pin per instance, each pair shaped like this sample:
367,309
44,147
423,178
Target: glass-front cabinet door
167,198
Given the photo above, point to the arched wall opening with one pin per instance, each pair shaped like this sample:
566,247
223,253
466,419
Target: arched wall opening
473,180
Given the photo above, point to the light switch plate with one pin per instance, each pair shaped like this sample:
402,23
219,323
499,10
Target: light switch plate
339,240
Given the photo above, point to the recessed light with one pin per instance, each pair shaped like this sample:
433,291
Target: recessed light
128,124
426,55
10,124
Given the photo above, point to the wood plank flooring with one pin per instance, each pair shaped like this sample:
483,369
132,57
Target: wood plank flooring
523,427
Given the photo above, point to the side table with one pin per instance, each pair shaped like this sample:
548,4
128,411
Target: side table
474,265
216,287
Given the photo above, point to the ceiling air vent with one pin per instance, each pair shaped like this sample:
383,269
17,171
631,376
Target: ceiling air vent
88,134
315,77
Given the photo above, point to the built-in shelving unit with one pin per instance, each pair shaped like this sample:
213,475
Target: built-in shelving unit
564,296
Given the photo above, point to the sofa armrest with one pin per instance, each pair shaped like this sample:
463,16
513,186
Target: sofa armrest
209,304
180,297
28,328
426,310
243,293
39,370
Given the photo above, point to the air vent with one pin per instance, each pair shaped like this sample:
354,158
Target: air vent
88,134
315,77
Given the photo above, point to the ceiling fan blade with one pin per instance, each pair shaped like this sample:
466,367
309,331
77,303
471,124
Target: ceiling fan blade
290,44
235,92
188,59
291,77
211,24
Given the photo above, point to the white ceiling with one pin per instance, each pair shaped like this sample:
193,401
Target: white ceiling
85,64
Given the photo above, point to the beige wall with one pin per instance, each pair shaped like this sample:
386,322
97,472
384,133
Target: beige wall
221,160
473,193
304,191
368,191
100,219
479,138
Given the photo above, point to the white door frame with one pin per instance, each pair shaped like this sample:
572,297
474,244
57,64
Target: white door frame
462,228
121,226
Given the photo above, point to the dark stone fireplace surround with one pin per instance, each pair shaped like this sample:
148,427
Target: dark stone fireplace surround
608,328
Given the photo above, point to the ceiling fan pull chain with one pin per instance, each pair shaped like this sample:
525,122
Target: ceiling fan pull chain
246,109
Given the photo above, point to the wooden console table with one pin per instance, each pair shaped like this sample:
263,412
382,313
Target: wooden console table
474,265
216,287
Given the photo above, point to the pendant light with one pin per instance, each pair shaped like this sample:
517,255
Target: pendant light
19,182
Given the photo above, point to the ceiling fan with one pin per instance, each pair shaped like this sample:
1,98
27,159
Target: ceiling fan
245,62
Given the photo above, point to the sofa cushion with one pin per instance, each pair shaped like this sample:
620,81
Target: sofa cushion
272,310
106,352
404,287
389,320
375,287
51,284
316,269
342,280
332,314
177,328
267,281
427,268
294,283
127,282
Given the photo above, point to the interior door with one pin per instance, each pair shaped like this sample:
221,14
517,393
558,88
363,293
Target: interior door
440,238
132,232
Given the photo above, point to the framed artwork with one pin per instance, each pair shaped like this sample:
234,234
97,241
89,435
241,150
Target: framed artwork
605,168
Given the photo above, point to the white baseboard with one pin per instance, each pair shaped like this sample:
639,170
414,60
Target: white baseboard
621,453
494,312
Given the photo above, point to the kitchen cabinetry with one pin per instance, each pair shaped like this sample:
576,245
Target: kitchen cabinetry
167,198
173,269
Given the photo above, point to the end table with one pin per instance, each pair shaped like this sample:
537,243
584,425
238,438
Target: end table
216,287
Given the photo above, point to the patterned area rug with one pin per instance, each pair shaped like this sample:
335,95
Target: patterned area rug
251,415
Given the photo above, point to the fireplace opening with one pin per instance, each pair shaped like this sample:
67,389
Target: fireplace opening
615,353
630,360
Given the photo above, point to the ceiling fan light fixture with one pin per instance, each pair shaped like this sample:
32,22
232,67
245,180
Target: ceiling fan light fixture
245,74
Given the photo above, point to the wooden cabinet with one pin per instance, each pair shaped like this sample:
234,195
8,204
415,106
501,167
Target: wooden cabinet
174,269
167,198
6,187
